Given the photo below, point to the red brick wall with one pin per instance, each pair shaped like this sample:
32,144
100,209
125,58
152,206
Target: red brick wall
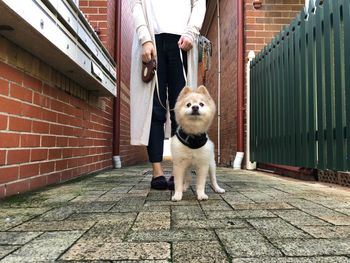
46,135
263,24
51,129
129,154
228,80
101,15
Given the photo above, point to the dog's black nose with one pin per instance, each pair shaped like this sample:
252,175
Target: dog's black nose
195,108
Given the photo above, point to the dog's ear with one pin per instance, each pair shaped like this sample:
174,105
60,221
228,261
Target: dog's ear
186,90
203,90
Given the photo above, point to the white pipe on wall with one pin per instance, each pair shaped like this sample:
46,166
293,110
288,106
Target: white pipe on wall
219,81
249,165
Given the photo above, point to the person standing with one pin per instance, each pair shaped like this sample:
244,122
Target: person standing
167,31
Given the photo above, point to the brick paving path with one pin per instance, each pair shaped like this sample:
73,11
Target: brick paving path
115,217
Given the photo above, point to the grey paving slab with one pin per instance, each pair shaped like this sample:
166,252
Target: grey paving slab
277,228
46,248
118,251
299,218
328,231
187,213
102,216
239,214
246,243
152,221
198,251
329,215
54,225
214,223
171,235
293,260
6,249
259,206
10,217
17,238
215,204
313,247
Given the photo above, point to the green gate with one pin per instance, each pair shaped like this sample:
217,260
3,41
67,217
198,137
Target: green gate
300,91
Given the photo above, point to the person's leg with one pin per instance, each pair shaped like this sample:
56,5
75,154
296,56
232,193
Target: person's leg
176,82
156,139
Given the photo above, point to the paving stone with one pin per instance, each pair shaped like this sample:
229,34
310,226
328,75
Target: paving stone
159,196
246,243
5,250
259,206
198,251
187,213
313,247
152,221
214,223
118,251
329,215
108,231
293,260
57,214
239,214
215,204
276,228
10,217
304,204
328,231
54,225
17,238
102,216
299,218
171,235
45,248
168,203
345,211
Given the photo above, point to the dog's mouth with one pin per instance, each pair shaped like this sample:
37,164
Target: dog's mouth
195,113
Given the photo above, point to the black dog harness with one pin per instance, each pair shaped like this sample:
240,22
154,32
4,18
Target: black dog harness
190,140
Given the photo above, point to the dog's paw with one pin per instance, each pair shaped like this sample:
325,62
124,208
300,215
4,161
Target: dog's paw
219,190
202,197
177,197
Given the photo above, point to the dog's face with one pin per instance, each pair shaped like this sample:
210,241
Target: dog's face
195,110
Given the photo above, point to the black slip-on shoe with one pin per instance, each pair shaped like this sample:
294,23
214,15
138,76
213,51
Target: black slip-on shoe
171,185
159,183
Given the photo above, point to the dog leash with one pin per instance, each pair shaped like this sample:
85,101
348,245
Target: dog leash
185,78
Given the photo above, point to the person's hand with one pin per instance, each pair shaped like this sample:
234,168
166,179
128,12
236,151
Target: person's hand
185,43
148,52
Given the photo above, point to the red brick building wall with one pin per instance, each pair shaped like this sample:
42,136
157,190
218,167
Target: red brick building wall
261,25
52,129
228,29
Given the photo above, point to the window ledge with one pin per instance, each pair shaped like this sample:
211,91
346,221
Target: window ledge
57,32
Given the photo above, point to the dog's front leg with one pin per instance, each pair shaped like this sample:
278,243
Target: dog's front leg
179,174
202,172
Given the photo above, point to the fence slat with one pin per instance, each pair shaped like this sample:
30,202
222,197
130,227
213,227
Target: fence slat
346,17
329,74
311,120
320,62
339,86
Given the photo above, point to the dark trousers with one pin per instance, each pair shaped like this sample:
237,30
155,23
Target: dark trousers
171,81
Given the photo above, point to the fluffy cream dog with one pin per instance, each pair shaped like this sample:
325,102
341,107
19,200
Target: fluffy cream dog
190,146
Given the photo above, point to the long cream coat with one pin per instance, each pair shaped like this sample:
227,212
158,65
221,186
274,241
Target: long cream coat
141,94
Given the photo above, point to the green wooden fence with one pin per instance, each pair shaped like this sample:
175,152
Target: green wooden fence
300,91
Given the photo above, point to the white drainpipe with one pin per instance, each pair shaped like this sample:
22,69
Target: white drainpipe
219,81
249,165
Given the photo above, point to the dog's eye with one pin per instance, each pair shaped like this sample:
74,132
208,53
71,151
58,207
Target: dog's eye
201,104
188,105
